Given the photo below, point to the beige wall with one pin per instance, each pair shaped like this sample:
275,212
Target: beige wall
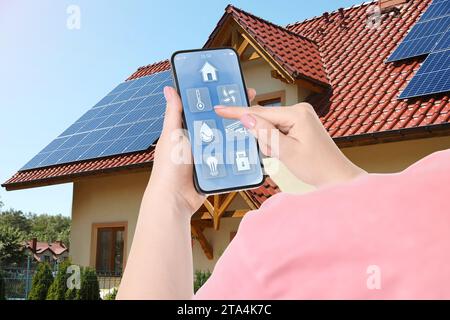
104,200
394,156
219,240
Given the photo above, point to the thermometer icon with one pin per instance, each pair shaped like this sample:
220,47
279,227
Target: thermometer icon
200,103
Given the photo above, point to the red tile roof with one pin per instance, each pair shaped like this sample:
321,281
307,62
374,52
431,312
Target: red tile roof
365,89
55,247
296,54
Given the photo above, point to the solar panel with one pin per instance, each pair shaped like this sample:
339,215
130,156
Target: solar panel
426,33
128,119
433,76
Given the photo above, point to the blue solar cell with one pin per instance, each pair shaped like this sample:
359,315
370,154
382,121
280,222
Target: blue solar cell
422,38
126,95
107,100
93,137
36,160
121,87
142,142
118,146
72,141
96,150
112,120
110,109
92,124
433,77
129,105
444,43
139,82
131,117
156,126
111,126
74,128
55,144
74,154
144,91
114,133
137,129
54,157
436,9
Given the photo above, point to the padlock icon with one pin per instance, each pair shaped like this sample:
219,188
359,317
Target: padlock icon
242,162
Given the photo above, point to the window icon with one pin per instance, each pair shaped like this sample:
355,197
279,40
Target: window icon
199,99
229,95
234,129
209,72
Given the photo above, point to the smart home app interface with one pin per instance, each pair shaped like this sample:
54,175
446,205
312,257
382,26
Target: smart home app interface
225,154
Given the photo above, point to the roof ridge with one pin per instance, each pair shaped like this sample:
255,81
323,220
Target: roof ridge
365,3
230,6
153,64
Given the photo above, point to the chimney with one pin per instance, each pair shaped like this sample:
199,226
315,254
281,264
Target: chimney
33,244
326,15
342,13
389,5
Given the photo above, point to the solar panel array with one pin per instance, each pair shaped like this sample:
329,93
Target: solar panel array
426,33
128,119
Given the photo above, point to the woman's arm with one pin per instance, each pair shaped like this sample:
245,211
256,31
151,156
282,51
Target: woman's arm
160,262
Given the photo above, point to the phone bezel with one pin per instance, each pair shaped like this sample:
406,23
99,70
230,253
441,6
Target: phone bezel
195,178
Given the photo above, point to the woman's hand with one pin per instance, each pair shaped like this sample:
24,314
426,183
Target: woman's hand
296,136
172,172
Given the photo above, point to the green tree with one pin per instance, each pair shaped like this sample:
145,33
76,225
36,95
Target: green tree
15,219
89,289
42,280
200,278
11,246
57,290
50,228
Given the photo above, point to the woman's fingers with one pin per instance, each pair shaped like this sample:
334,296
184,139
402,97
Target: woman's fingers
251,93
272,142
281,117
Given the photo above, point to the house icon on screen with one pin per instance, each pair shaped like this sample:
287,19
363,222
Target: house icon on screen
209,72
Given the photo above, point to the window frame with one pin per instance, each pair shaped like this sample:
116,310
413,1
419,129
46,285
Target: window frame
95,243
271,96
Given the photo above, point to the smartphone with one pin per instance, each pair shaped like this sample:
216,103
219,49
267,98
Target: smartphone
225,155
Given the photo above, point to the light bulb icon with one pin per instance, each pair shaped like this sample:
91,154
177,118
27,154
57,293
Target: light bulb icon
212,164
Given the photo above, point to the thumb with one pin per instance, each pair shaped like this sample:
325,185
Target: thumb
272,141
173,115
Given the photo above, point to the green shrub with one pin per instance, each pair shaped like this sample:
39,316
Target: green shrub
89,287
42,280
112,295
57,290
2,286
200,278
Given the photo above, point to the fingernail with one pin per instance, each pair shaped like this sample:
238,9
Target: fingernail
168,93
219,107
248,121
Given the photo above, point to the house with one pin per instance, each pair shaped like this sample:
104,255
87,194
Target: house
336,61
52,253
209,72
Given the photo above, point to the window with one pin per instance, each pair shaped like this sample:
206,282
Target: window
273,99
110,244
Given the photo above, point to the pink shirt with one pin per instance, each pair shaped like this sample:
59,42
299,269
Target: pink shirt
377,237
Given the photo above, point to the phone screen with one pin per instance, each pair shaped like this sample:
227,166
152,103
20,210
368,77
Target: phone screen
225,154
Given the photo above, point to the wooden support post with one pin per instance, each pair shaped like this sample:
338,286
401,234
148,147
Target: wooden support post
197,232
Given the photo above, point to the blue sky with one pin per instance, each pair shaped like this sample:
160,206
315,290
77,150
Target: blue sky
50,75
